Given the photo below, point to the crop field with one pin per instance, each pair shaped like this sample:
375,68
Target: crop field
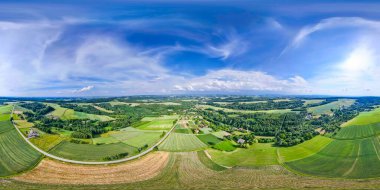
157,125
5,113
205,130
209,139
259,154
206,161
303,150
180,171
326,108
358,131
313,101
54,172
163,117
46,141
134,137
146,138
67,114
90,152
226,145
343,159
365,118
179,142
15,154
23,124
220,134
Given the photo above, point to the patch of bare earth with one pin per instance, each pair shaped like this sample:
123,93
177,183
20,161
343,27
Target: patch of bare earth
55,172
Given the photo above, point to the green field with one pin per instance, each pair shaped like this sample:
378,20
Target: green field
202,156
90,152
68,114
226,145
312,101
165,124
179,142
46,141
220,134
164,117
304,149
209,139
326,108
258,154
15,154
343,159
358,131
5,112
365,118
146,138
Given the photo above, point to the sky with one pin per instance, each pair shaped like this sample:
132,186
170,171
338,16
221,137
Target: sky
120,48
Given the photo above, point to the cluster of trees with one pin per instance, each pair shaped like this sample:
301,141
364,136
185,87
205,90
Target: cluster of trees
39,110
268,105
247,139
82,128
83,108
116,157
288,129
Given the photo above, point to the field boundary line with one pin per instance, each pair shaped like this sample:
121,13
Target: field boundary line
374,146
91,163
354,164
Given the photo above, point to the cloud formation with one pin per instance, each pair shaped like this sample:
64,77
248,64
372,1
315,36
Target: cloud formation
234,80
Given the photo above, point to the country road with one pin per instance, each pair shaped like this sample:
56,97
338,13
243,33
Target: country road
92,163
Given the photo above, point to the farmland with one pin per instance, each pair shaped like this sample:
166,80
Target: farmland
16,155
326,108
216,144
256,155
67,114
303,150
179,142
343,159
54,172
365,118
89,152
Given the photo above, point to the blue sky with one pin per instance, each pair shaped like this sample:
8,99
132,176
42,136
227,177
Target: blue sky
115,48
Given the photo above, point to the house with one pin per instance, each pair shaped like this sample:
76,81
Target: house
32,133
241,141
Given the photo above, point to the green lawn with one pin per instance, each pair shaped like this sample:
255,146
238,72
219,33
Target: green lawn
179,142
258,154
303,150
326,108
90,152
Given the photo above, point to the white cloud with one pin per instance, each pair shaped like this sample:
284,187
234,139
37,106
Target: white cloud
333,22
84,89
228,80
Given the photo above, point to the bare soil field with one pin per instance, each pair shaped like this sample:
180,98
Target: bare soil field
55,172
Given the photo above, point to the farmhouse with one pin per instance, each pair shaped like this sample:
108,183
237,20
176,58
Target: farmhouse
32,133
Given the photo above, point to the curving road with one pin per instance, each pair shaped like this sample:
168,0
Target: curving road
92,163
